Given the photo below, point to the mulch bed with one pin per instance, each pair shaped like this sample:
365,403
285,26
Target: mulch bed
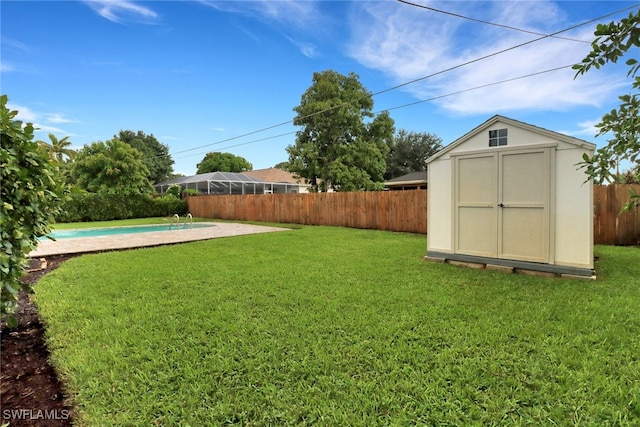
30,392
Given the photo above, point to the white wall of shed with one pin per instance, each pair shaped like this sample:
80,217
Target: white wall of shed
439,205
574,210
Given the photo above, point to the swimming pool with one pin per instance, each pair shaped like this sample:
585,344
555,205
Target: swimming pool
110,231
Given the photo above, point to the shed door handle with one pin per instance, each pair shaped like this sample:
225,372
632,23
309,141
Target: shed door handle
501,205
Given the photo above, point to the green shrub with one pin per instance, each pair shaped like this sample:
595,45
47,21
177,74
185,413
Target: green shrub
105,207
168,206
174,189
30,193
190,192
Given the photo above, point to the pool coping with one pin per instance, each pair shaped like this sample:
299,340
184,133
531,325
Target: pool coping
79,245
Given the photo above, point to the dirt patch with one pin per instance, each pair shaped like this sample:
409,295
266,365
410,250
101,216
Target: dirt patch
30,392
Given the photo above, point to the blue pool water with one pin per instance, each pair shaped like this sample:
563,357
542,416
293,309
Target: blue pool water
110,231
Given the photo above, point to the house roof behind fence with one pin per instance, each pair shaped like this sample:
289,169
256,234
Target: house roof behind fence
413,177
211,176
273,175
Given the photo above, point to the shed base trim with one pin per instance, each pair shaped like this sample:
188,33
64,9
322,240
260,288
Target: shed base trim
507,263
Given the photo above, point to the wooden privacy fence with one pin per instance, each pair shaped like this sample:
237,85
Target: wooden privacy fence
610,227
395,210
380,210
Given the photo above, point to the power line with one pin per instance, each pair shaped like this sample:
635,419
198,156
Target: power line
482,58
242,143
478,87
423,100
433,9
229,139
542,37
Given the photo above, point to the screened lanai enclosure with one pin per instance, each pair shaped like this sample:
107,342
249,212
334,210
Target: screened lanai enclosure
228,183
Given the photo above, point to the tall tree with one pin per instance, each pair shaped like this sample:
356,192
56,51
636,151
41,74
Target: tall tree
59,148
156,155
630,176
612,42
223,162
111,167
410,151
282,165
61,155
342,145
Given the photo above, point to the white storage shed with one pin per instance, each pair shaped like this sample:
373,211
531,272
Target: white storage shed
510,194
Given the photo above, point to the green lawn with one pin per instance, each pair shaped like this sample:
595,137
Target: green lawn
336,327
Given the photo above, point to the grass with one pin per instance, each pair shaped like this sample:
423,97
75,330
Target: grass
335,326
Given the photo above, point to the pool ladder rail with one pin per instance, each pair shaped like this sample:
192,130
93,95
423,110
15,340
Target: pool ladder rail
176,220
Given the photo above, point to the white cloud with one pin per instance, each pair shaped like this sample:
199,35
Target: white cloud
407,43
8,42
58,118
6,68
553,91
25,114
42,122
584,129
290,12
589,127
12,46
391,39
120,11
301,18
307,49
50,129
543,19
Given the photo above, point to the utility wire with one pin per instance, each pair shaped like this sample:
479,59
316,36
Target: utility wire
242,143
478,87
545,36
229,139
416,102
482,58
433,9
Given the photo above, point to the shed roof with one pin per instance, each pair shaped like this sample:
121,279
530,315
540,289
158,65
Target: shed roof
511,122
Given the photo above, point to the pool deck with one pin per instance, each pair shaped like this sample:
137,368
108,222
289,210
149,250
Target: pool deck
141,240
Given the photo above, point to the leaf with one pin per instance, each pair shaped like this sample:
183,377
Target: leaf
27,199
12,321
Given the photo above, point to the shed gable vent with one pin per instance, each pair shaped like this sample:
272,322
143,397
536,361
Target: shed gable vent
497,137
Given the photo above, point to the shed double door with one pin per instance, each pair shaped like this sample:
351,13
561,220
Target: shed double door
501,204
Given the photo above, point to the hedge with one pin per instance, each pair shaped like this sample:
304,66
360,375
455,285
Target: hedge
104,207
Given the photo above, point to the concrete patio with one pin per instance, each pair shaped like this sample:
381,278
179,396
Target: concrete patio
139,240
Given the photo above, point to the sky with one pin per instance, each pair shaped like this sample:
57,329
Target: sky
225,76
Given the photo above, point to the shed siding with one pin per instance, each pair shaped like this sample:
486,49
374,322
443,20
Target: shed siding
573,227
516,137
439,227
